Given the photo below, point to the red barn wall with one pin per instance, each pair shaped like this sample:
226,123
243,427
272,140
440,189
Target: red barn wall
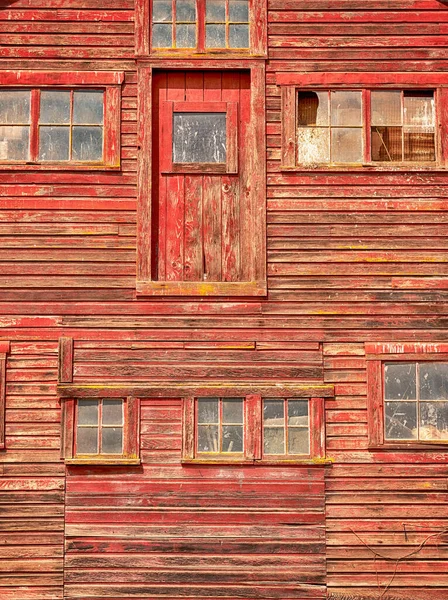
352,257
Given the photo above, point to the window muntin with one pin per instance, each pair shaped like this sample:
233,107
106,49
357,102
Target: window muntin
199,137
220,425
201,25
68,128
285,427
356,127
403,126
416,401
99,427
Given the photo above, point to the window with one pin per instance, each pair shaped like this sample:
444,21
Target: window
198,27
53,125
359,127
408,399
101,430
4,350
202,215
253,429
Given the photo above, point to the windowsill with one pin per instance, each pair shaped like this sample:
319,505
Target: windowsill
366,167
57,166
316,462
216,53
103,461
427,445
201,288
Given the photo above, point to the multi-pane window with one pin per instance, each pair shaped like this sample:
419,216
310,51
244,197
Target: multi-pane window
220,425
52,125
358,127
416,401
285,427
99,427
200,24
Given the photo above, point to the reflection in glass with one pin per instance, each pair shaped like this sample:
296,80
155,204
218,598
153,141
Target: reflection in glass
15,107
346,109
87,412
208,410
215,36
14,142
433,381
401,420
162,35
112,440
400,381
185,36
112,412
87,143
54,107
238,36
87,440
434,421
199,138
346,145
54,143
88,107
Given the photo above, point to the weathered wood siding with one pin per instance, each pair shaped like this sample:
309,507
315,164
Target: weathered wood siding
352,257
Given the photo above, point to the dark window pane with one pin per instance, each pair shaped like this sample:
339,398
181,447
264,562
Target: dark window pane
87,143
186,11
400,381
419,146
215,36
434,421
274,441
239,11
208,438
208,410
87,440
112,412
88,107
14,143
54,143
185,36
232,410
112,440
54,107
15,106
88,412
433,381
298,413
199,137
215,11
232,438
273,413
386,144
162,10
298,441
162,36
312,109
401,420
239,36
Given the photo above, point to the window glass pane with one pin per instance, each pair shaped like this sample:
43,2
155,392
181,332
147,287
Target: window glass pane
313,145
298,413
346,108
239,36
208,410
232,410
199,137
88,107
239,11
186,11
185,36
215,36
87,143
274,413
401,420
162,36
433,381
162,10
400,381
14,143
208,440
419,110
387,144
419,146
215,11
232,438
112,412
298,441
274,441
15,106
112,440
386,108
54,143
434,420
54,107
87,440
346,145
88,412
312,109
